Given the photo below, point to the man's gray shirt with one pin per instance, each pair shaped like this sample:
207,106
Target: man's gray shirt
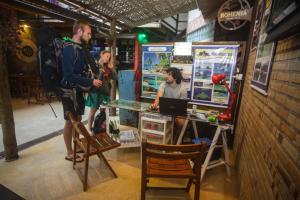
170,91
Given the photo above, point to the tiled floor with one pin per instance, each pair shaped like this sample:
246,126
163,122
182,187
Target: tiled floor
35,120
42,173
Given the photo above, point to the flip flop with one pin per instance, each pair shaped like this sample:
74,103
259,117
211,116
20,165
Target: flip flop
78,158
79,151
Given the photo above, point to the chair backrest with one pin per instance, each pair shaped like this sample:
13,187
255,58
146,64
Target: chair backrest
194,152
189,151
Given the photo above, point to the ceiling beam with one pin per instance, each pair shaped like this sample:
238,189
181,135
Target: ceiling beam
90,7
168,25
35,7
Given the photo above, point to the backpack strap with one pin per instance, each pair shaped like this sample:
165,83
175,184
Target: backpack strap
75,52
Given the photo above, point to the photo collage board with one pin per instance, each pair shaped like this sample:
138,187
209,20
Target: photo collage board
210,60
156,59
206,61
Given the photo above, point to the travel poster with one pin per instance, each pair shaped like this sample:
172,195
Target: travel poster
208,61
156,59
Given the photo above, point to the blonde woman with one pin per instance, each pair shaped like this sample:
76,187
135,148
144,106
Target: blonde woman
96,97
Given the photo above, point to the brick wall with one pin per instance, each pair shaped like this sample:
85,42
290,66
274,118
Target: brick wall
267,141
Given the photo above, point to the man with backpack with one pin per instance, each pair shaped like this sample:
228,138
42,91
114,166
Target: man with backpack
74,82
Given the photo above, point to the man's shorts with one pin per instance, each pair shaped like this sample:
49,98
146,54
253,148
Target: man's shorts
68,105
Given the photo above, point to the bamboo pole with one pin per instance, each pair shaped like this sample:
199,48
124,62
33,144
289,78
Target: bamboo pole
113,90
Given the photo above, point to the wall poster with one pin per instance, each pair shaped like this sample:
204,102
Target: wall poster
210,60
156,59
185,65
264,55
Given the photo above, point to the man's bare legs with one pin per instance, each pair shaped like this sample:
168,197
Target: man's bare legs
68,136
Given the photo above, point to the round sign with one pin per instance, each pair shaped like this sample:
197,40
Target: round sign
234,14
28,51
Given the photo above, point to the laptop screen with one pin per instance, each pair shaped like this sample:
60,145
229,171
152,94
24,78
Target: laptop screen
170,106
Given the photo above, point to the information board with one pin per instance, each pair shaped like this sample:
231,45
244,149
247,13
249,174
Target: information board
208,61
156,59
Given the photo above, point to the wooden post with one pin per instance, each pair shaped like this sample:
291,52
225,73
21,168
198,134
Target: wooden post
113,90
6,112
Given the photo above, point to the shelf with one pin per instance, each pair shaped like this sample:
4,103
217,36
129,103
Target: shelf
153,131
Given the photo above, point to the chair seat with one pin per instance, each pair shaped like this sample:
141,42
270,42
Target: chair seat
169,167
104,143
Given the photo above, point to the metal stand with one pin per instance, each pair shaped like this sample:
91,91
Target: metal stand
220,132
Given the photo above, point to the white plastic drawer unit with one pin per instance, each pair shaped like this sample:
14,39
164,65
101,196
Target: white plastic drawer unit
156,130
153,137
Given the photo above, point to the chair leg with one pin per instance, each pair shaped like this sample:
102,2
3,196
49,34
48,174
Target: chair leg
86,169
143,187
197,189
188,186
100,155
74,155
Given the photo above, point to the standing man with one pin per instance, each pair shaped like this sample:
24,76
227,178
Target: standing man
74,80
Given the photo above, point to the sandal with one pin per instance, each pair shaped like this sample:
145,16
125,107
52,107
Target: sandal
78,158
79,150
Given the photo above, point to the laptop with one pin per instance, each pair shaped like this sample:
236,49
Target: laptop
170,106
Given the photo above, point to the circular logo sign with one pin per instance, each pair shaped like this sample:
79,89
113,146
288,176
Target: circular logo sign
234,14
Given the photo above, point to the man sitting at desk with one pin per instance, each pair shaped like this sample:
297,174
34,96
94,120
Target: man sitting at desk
172,87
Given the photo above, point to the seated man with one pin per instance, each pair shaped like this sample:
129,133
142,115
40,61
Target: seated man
172,88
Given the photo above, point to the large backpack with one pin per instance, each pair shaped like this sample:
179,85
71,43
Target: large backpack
50,59
50,56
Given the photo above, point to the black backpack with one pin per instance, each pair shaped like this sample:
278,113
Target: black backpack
50,45
50,57
99,123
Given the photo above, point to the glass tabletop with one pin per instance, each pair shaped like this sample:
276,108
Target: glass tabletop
129,105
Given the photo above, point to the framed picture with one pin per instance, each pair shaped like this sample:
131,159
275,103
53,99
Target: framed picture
258,20
264,55
262,68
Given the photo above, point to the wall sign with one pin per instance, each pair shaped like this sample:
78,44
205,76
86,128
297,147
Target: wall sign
234,14
28,51
183,49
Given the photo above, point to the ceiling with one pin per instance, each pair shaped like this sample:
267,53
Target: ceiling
127,13
137,12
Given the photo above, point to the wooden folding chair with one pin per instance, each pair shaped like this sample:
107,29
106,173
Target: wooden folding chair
172,161
91,145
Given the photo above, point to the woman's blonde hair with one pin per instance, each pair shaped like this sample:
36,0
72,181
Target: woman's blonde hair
105,51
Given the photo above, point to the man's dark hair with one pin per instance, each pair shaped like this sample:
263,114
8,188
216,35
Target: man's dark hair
176,74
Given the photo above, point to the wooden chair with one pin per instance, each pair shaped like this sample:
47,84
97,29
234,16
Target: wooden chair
172,161
91,145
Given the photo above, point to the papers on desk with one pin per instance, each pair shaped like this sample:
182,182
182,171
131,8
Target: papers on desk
199,116
127,136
